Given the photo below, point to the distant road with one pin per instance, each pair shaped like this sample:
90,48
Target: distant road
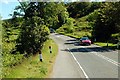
76,61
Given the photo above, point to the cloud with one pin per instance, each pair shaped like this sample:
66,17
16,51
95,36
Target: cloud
4,1
7,1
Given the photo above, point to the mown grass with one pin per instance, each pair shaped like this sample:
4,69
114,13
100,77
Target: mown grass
77,34
81,28
106,45
80,34
31,67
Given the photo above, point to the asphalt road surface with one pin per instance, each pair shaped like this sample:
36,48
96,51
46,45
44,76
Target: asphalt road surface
76,61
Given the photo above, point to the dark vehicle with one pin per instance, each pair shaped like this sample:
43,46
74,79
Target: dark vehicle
52,30
85,41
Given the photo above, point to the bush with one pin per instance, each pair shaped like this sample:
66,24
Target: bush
116,36
68,27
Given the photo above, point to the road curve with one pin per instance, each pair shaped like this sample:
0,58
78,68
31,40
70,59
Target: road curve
76,61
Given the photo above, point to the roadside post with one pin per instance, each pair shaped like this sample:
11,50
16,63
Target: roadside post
40,55
95,39
50,48
118,44
107,43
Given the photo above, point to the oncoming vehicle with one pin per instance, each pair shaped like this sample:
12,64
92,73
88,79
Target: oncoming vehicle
85,41
52,30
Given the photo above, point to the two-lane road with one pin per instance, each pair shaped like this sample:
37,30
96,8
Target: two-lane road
84,61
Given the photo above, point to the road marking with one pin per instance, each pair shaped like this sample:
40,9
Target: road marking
106,58
86,76
57,36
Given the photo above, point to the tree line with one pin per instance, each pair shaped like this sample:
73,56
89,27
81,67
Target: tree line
104,18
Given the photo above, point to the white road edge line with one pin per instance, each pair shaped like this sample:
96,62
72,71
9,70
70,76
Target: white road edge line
86,76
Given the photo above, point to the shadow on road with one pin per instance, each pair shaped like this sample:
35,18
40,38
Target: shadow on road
69,43
90,49
73,41
111,47
86,49
76,42
65,50
57,34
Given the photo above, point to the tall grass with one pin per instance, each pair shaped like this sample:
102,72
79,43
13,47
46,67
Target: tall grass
32,67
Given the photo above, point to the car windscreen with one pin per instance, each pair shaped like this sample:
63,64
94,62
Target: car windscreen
85,38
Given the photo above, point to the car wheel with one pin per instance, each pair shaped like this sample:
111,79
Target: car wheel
88,44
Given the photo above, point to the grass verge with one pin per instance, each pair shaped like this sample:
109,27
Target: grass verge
32,67
78,35
110,45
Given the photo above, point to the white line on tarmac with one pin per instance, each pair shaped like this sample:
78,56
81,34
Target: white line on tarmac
57,36
106,58
86,76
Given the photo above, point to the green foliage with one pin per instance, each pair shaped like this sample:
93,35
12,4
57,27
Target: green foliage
105,44
27,34
80,9
116,35
0,31
107,21
80,34
32,36
115,38
11,60
93,16
77,34
55,14
43,70
100,18
31,67
8,45
68,27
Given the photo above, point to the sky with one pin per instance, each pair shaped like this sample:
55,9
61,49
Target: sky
7,7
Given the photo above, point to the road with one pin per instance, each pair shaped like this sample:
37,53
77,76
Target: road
76,61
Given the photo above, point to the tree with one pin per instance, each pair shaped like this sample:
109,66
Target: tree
33,31
55,14
80,9
107,21
32,36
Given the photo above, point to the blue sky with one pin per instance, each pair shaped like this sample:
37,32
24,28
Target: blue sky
7,7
